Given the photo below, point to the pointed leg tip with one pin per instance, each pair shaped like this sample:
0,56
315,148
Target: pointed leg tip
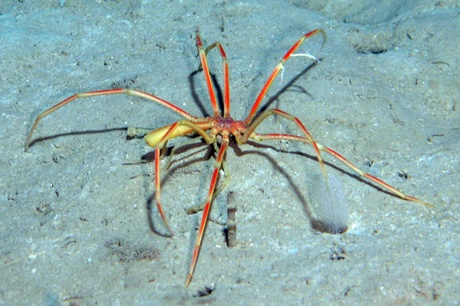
171,233
428,205
188,280
418,201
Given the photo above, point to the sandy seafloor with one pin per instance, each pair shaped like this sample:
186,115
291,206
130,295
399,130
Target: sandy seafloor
74,220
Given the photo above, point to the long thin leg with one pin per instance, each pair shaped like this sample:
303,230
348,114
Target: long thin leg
158,189
277,69
161,145
106,92
225,70
163,137
250,132
345,161
207,76
207,207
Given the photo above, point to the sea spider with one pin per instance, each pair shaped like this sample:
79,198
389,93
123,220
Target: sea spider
220,128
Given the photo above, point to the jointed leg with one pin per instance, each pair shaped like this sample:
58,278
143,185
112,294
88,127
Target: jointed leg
207,75
106,92
222,186
207,207
318,148
225,70
250,132
345,161
158,189
160,138
277,69
373,178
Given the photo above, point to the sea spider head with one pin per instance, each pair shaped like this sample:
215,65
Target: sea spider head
228,126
